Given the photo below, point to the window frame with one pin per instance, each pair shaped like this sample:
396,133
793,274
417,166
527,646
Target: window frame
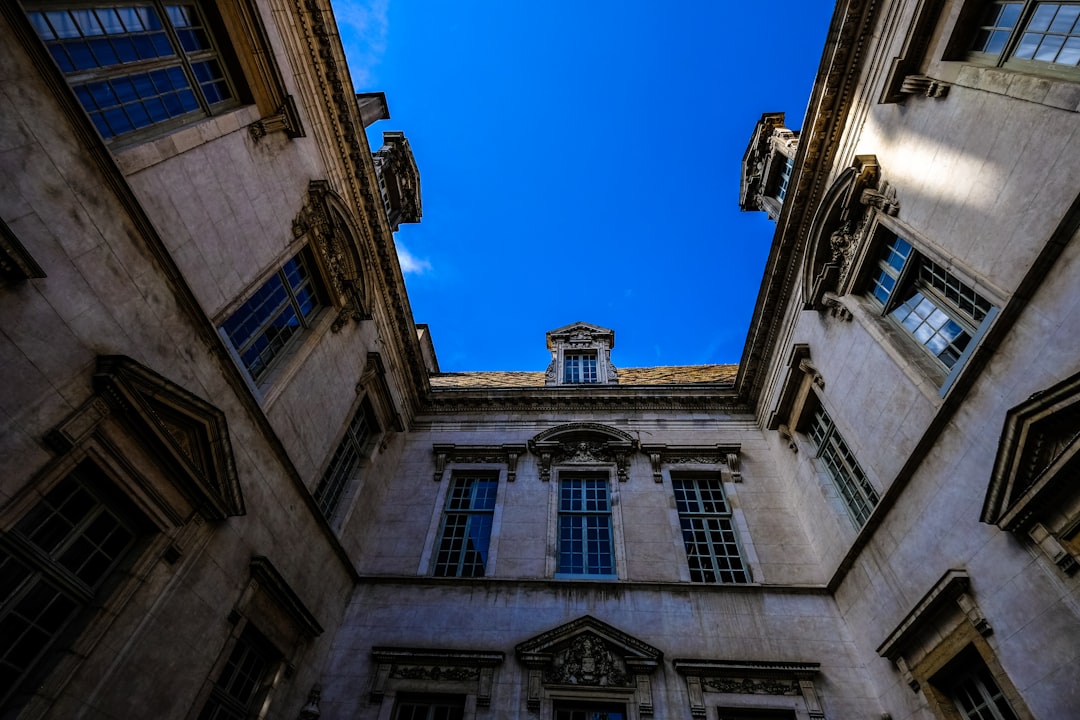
314,282
468,513
1006,57
250,642
43,566
600,475
217,50
726,521
908,281
579,366
859,495
341,477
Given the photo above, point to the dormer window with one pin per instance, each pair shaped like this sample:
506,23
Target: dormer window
581,355
579,367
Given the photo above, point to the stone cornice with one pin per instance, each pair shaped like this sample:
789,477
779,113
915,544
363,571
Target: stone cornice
561,398
827,113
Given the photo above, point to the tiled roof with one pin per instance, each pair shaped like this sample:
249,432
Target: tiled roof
665,375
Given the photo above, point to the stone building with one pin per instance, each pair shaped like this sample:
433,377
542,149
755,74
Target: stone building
234,482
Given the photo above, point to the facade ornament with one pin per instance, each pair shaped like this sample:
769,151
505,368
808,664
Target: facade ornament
583,444
785,432
471,671
924,85
506,454
750,677
726,456
286,119
587,661
310,711
807,368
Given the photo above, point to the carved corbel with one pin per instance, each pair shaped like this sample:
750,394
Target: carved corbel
286,120
441,452
734,466
808,368
924,85
810,698
545,465
654,460
697,696
513,452
974,614
785,432
831,302
622,464
1052,548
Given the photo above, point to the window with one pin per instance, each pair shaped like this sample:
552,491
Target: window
978,697
589,711
858,494
133,65
280,309
342,470
784,178
940,311
712,548
579,367
585,539
52,564
1030,33
429,708
243,683
466,530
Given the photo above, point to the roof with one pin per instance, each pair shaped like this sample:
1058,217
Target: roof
663,375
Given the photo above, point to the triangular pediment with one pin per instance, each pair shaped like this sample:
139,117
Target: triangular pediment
581,333
587,651
1038,450
189,434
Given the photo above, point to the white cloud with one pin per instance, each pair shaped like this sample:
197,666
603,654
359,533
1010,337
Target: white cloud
364,26
411,264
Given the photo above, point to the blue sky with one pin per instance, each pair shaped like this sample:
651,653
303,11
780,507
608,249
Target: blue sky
580,161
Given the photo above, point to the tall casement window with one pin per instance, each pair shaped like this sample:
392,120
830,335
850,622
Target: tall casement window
978,697
712,547
429,707
137,64
1033,34
579,367
283,306
53,562
941,312
342,474
784,178
466,528
858,494
244,681
586,544
589,711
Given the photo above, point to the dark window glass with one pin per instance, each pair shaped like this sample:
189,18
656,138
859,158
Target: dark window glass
344,465
712,547
466,531
586,545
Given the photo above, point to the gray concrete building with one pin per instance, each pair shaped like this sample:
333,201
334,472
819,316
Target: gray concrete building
234,482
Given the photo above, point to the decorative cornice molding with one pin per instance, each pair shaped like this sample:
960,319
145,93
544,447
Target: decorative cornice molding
750,677
595,399
661,454
506,454
830,103
275,586
469,670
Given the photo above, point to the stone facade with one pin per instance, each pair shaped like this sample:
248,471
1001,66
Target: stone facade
227,445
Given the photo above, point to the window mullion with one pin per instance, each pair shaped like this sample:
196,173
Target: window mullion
185,61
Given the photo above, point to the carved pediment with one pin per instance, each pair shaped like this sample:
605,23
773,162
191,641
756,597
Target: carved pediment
583,444
324,221
1038,456
581,333
189,434
588,653
841,229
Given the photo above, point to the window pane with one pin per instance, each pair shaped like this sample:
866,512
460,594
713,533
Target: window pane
584,532
712,548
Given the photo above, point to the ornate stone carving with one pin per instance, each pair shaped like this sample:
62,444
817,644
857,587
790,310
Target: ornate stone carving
465,671
583,444
506,454
286,120
924,85
750,677
587,661
589,653
434,672
725,455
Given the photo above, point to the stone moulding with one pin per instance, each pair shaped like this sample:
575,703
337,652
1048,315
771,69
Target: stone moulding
470,671
506,454
750,677
189,435
587,654
724,455
275,586
583,444
954,586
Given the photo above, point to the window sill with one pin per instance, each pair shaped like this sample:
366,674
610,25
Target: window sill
139,157
1049,91
581,576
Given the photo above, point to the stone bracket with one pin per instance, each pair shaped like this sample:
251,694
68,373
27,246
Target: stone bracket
286,119
506,454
